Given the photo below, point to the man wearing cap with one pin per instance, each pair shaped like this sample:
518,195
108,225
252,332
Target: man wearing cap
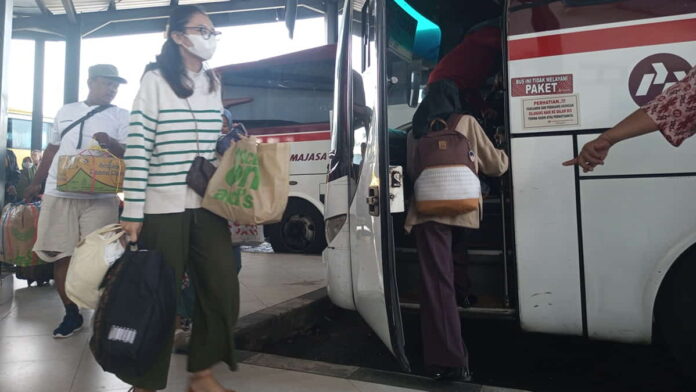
66,218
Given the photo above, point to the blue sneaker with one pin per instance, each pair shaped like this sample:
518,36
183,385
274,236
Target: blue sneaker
72,322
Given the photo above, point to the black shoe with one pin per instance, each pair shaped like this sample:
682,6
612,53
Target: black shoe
468,301
72,322
451,374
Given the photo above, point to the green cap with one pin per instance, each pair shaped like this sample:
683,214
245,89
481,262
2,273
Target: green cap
105,71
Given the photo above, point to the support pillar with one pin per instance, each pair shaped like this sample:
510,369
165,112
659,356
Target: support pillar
6,7
73,41
37,109
331,21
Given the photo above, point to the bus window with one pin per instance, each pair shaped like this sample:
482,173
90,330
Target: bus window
364,77
19,133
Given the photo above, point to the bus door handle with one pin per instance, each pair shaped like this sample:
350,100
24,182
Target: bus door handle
373,200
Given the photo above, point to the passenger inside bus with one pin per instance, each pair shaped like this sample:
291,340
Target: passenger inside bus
468,264
471,63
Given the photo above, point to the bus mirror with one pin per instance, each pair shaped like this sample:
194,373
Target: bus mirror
414,89
290,16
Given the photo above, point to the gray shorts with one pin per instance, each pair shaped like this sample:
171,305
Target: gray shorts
64,222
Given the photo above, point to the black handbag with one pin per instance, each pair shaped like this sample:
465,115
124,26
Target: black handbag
136,311
199,175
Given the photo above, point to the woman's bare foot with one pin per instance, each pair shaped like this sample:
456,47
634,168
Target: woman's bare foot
205,382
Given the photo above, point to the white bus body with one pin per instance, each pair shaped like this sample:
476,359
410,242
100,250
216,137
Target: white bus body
580,253
288,99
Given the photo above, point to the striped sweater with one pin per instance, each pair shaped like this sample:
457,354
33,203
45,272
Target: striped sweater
162,145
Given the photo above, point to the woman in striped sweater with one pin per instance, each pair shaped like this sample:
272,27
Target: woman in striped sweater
175,118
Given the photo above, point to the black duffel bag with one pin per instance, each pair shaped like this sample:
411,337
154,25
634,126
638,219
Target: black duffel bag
135,315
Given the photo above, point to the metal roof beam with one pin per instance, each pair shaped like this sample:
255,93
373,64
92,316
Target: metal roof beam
54,24
42,6
219,20
70,10
92,22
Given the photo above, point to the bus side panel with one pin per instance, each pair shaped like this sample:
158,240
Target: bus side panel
310,157
628,226
548,265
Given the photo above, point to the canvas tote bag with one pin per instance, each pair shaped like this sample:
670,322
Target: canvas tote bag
91,259
251,185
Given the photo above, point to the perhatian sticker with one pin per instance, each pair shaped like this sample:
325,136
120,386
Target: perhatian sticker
542,85
550,112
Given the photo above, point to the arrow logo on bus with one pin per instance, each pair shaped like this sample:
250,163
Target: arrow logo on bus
654,74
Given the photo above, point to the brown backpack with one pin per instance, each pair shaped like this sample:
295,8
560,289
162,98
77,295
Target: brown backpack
447,183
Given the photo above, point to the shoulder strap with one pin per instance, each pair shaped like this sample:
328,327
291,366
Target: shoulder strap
453,120
84,118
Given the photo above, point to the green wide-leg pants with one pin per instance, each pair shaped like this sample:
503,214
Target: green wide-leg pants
199,241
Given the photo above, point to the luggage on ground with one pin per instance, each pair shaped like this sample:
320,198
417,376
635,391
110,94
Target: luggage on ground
135,316
19,226
251,185
446,172
90,261
40,273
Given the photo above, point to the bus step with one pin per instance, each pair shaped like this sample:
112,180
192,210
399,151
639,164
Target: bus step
476,256
474,311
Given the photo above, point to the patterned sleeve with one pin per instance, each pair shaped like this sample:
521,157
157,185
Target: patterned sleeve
674,111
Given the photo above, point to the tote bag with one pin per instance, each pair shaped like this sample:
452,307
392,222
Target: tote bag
90,261
251,185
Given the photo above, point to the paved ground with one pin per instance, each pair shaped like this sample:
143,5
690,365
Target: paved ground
32,361
269,279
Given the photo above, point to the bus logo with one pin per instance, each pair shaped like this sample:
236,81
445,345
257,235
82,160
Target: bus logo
655,74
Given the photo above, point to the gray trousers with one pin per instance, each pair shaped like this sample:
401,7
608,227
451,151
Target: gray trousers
442,254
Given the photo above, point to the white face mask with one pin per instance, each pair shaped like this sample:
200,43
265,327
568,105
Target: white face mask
203,48
27,165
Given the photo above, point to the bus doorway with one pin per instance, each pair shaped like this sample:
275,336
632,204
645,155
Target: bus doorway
466,32
561,252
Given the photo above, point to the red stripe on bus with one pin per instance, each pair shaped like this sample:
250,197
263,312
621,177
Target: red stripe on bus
604,39
296,128
299,137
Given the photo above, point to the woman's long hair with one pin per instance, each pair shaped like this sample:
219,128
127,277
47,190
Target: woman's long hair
170,62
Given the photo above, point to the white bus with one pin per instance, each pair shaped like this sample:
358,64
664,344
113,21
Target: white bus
605,255
19,133
288,99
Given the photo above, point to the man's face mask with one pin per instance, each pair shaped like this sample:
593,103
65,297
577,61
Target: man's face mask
201,47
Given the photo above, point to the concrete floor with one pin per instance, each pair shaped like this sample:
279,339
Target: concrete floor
32,361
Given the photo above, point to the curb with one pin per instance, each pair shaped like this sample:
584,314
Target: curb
277,322
394,379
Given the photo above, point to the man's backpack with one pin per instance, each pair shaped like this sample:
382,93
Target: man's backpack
135,316
446,172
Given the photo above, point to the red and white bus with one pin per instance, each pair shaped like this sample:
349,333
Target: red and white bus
609,254
288,99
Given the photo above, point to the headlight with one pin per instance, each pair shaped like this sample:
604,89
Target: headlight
333,226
